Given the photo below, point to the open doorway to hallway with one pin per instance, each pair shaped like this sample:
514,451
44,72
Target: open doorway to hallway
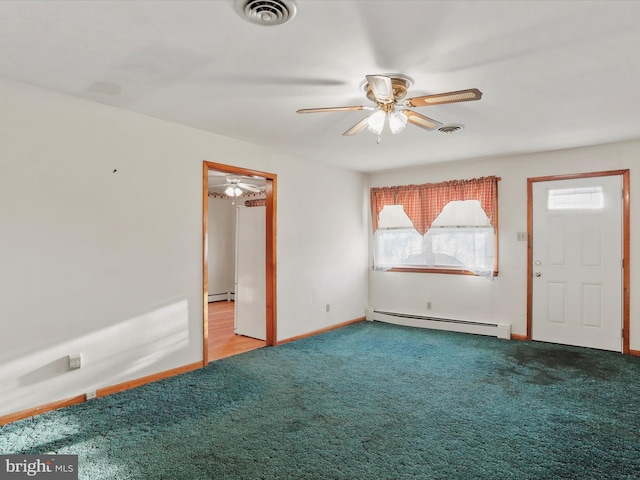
231,327
223,340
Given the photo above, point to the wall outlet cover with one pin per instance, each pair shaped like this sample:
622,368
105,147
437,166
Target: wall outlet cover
75,361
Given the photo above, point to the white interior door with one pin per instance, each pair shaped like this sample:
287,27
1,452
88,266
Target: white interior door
250,287
577,262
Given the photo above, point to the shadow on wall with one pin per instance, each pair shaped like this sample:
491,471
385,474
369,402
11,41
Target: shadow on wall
46,372
110,355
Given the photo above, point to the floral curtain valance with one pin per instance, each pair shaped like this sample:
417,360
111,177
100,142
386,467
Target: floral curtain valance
423,203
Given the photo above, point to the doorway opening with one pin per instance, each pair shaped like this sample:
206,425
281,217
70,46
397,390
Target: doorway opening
221,311
545,282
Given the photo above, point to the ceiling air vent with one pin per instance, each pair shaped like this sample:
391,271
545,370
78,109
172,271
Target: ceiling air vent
451,128
266,12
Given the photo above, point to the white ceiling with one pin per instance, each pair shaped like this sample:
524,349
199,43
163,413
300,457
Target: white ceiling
554,74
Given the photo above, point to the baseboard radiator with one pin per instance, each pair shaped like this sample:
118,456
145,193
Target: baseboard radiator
221,297
500,330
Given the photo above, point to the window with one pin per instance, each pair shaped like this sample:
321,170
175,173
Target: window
448,227
582,198
460,238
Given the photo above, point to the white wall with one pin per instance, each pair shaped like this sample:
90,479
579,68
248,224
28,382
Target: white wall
505,298
100,247
222,234
326,216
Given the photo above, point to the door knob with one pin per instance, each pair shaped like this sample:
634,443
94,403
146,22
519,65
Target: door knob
537,274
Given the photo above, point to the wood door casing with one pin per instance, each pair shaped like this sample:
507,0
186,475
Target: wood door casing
270,241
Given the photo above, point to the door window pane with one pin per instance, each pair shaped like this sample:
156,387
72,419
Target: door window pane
582,198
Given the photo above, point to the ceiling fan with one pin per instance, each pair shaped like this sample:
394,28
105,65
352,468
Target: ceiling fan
235,185
388,92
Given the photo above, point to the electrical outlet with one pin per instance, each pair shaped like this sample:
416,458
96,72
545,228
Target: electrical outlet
75,361
328,308
521,236
90,395
428,305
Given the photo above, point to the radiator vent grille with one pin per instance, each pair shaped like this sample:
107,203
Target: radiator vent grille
267,12
500,330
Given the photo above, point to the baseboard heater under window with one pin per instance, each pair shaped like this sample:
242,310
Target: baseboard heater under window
500,330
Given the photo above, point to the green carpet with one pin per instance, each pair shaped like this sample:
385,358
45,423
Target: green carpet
369,401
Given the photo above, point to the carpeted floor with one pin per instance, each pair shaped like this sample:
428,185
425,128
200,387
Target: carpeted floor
369,401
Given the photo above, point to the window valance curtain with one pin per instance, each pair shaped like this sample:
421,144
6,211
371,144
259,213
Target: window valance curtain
423,203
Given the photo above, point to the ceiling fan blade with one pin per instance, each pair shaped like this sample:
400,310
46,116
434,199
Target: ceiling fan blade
441,98
421,121
381,88
357,127
331,109
251,188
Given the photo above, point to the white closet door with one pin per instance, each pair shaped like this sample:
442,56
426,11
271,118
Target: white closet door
250,291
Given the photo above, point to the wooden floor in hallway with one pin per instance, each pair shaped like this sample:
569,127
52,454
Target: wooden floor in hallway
223,342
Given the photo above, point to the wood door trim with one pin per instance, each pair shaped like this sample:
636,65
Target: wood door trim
271,203
205,262
626,247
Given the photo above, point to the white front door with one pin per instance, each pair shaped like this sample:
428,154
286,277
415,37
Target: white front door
577,262
251,289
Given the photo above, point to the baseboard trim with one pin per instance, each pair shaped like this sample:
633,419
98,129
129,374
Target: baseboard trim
322,330
221,297
30,412
634,353
517,336
101,392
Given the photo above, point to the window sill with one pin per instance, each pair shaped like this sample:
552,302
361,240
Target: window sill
449,271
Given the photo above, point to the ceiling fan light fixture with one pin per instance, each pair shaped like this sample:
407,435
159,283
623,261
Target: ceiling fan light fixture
386,91
233,191
397,121
377,121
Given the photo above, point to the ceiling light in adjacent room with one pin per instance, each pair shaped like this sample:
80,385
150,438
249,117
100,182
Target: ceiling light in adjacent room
232,191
